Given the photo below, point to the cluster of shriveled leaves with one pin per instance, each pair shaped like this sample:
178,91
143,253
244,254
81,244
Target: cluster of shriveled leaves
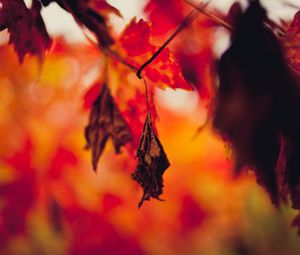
256,105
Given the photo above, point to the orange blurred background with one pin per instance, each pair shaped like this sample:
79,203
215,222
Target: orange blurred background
52,202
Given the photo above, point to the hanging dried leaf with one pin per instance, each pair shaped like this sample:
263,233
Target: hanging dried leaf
152,163
105,121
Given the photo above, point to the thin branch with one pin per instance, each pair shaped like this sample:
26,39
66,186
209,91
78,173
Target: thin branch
274,27
210,15
268,23
188,19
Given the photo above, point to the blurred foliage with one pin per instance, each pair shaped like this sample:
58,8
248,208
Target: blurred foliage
52,202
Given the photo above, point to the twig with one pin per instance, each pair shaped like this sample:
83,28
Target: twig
188,19
210,15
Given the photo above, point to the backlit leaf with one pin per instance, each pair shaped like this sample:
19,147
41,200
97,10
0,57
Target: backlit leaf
292,42
136,48
165,15
26,27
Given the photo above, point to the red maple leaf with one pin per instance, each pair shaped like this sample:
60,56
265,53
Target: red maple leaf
26,27
18,195
165,15
135,47
292,43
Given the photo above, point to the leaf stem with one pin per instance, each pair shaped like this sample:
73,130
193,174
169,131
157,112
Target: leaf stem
187,20
147,95
113,54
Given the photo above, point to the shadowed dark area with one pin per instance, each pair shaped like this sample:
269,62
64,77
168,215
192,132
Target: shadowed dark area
258,105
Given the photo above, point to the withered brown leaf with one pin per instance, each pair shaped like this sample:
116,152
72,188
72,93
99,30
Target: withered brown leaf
152,163
258,106
105,121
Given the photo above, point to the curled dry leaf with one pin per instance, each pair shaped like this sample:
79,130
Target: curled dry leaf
152,163
26,27
105,121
